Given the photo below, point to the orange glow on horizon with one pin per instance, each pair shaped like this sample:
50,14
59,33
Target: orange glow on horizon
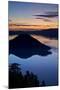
38,27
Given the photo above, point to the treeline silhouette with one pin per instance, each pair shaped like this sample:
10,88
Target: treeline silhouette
18,80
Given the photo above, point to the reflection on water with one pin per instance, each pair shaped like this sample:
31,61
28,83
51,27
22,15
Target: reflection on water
46,68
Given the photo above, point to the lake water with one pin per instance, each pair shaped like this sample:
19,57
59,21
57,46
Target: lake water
45,67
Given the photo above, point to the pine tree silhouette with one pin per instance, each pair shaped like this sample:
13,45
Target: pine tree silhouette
18,80
43,83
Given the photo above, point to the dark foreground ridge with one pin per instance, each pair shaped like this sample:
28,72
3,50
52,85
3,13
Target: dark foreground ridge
25,46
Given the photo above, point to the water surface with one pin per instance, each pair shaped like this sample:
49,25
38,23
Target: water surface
45,67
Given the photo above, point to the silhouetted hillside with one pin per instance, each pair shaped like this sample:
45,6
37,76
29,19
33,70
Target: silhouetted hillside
25,46
19,80
50,33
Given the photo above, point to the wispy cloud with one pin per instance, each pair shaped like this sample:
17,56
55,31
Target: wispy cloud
44,19
19,24
48,14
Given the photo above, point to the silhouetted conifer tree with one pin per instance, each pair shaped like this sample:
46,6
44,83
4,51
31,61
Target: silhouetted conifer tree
43,83
18,80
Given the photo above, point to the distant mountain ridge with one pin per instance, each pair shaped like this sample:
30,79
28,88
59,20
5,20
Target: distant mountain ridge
25,46
49,33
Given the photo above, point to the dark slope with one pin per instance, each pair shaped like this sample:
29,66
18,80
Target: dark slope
25,46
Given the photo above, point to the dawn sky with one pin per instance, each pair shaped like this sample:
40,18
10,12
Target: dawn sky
23,15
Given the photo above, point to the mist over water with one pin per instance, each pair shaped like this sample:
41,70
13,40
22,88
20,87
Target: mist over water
45,67
44,40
